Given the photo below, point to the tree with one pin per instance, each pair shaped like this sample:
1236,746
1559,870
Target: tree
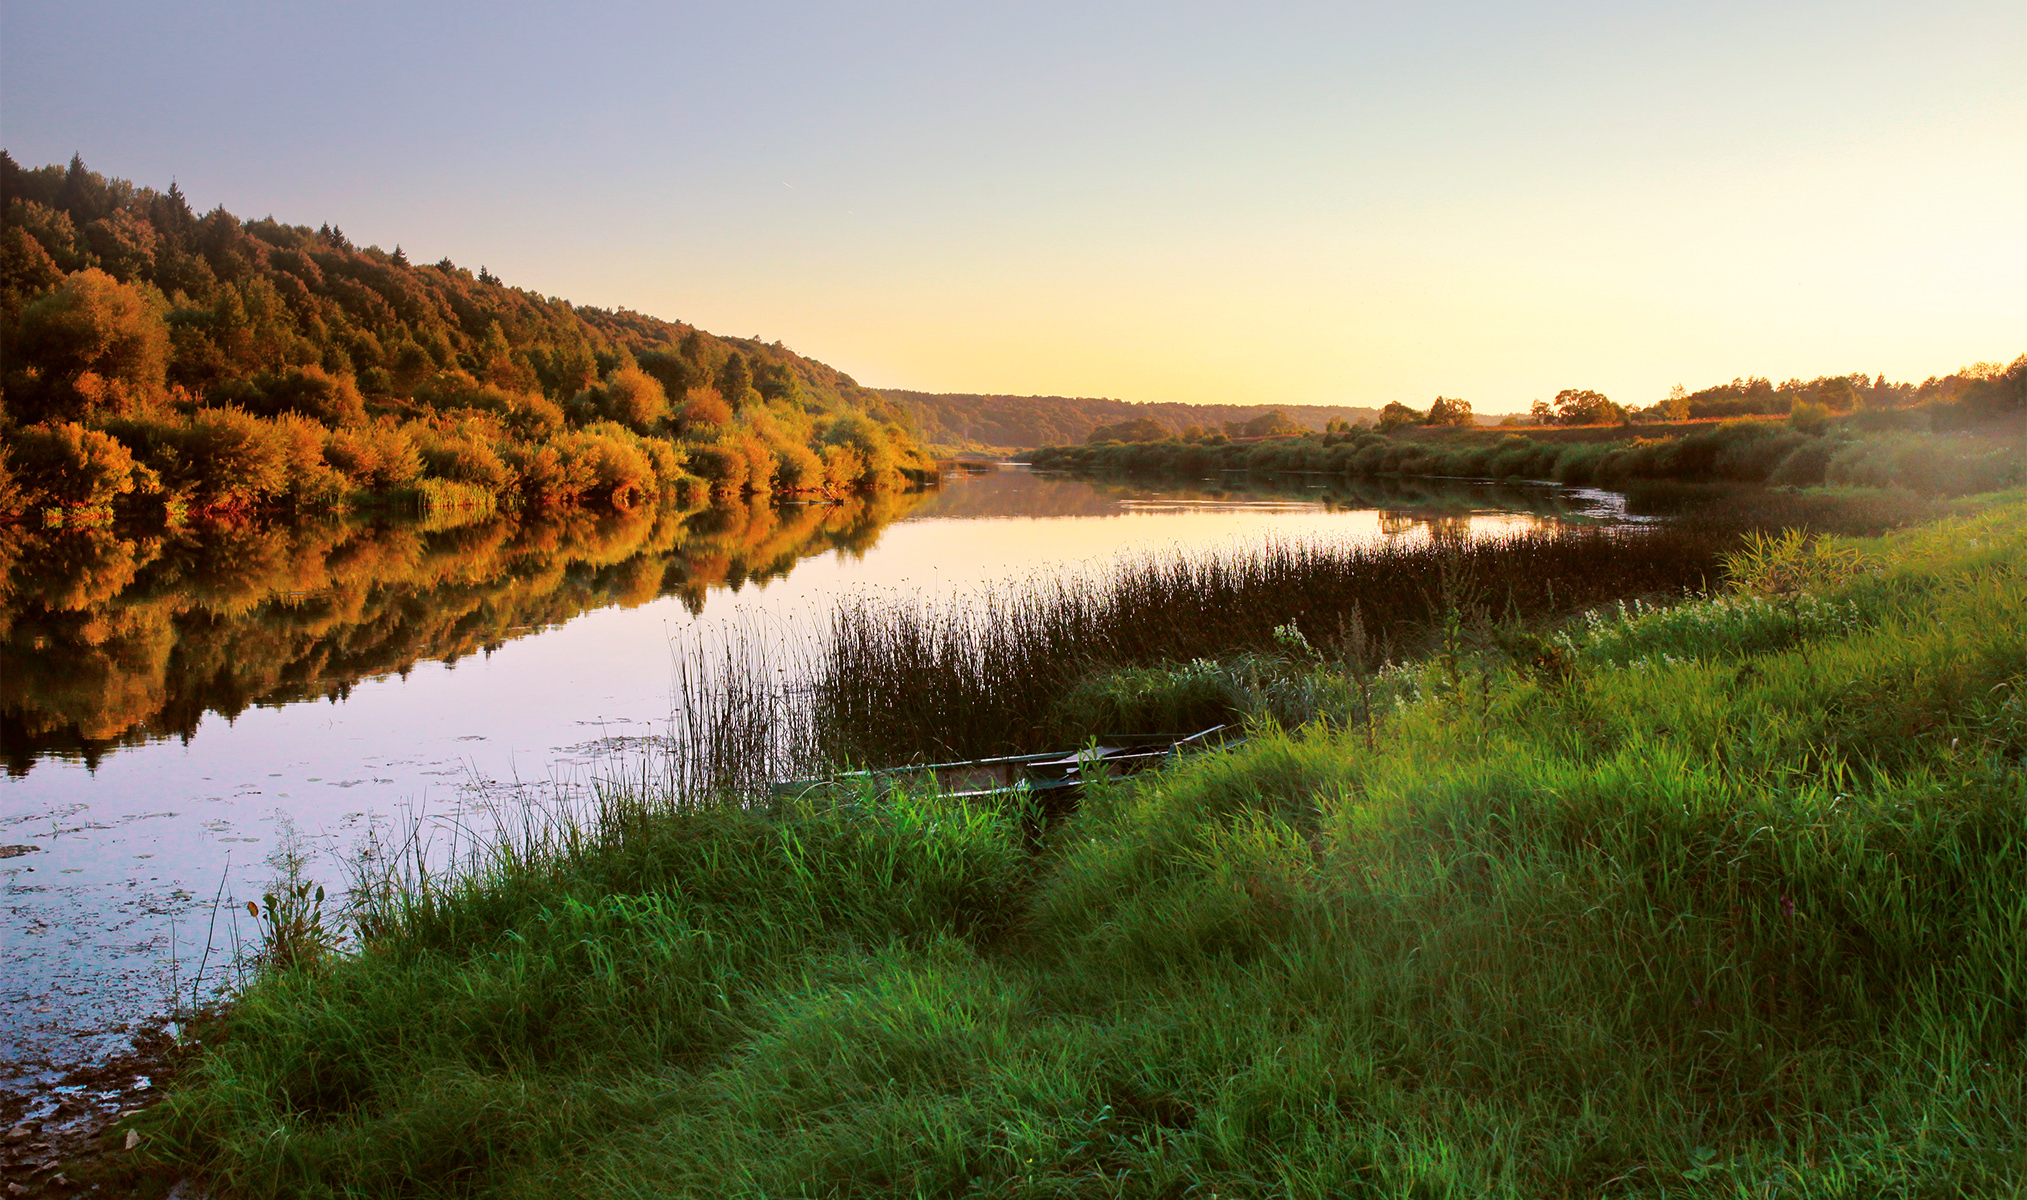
1271,423
633,397
70,464
777,382
735,381
1446,411
1580,406
313,392
1541,412
93,348
705,412
1397,416
1139,429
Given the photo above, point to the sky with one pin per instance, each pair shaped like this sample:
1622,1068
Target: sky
1298,203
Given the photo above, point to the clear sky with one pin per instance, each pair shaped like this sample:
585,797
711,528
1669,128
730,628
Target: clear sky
1307,203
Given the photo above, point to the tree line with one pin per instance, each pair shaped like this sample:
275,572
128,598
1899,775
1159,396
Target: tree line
1974,440
966,420
153,354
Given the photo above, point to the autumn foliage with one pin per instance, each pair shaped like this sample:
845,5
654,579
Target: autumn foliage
157,358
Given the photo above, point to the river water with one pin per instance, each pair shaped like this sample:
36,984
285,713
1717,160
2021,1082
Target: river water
177,707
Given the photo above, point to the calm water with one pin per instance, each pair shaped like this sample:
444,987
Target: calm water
172,705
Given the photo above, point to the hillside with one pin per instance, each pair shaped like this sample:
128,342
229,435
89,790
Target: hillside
157,356
965,420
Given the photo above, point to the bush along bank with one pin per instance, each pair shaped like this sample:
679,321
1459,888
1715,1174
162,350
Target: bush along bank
1912,451
1684,901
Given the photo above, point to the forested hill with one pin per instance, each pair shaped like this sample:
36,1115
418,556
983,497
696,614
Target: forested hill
1026,421
211,362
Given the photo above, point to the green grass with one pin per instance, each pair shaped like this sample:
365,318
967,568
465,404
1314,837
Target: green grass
1718,900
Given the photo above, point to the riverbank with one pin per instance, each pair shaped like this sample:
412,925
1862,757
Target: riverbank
329,676
1959,454
1677,900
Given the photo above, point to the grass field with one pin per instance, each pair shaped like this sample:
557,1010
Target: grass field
1721,899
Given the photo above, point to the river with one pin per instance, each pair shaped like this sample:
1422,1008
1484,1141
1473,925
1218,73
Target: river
178,706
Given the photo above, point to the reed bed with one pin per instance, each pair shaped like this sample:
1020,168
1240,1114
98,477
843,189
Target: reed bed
893,682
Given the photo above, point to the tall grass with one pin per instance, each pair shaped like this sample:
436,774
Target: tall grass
1705,914
975,679
1718,906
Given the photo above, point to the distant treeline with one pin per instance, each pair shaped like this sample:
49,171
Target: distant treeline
1962,395
961,420
1974,442
1835,394
153,354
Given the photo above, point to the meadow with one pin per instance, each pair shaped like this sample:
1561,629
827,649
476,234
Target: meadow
1711,896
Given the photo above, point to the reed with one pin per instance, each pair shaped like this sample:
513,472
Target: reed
893,682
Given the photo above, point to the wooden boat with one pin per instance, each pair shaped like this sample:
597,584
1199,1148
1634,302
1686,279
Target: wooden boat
1055,774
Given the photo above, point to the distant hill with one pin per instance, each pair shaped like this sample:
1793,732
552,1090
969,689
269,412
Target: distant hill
962,420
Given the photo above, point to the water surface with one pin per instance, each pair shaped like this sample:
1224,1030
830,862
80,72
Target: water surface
173,703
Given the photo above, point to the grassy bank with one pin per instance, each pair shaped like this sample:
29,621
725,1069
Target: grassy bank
1713,900
1176,644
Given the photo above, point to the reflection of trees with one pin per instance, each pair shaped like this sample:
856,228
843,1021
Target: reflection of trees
1060,494
111,640
1449,528
1394,524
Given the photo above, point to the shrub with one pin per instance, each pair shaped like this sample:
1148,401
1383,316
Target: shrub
1806,466
612,465
534,416
797,468
233,459
633,398
66,463
721,464
704,412
759,463
379,456
1177,700
312,482
842,468
865,437
465,458
310,392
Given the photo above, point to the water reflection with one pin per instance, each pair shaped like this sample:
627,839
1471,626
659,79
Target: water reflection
113,639
1019,493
